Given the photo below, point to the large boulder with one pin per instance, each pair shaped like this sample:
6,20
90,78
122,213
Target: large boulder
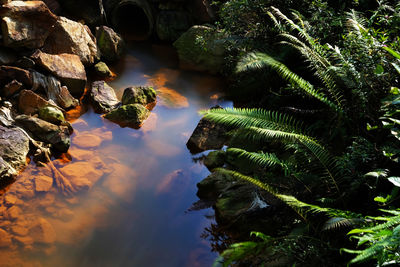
139,95
72,37
202,48
14,147
110,44
67,67
103,97
41,130
132,115
26,24
171,24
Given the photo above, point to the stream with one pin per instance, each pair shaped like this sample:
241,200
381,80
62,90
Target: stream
136,186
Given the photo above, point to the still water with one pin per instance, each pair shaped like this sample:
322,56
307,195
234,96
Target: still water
135,186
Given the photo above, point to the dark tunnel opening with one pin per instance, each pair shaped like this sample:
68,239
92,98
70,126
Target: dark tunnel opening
132,21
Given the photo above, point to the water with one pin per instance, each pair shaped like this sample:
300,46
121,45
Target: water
135,186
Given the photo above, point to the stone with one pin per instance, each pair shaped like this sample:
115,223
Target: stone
26,24
139,95
214,185
171,24
103,97
57,136
7,56
43,232
132,115
67,67
214,159
25,63
206,136
10,200
13,213
110,44
5,239
51,114
7,172
87,141
202,48
14,147
9,73
71,37
101,70
11,88
19,230
43,183
24,240
83,175
30,102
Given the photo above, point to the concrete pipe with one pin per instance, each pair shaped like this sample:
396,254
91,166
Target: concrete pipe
134,19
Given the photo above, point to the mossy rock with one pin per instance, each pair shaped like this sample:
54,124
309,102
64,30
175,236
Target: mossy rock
101,69
51,114
139,95
214,185
215,159
132,115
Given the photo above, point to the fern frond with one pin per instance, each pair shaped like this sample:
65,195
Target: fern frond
340,222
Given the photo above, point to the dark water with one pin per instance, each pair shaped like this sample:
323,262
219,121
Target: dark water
136,185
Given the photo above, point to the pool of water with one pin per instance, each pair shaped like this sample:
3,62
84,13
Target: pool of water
135,186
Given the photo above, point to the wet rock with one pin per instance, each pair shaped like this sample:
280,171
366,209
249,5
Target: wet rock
57,94
9,73
5,239
132,115
214,185
83,175
87,141
215,159
110,44
57,136
52,115
10,200
171,24
71,37
7,172
207,135
139,95
101,70
13,213
103,97
14,147
43,183
25,63
26,24
19,230
30,102
43,232
11,88
24,240
204,55
67,67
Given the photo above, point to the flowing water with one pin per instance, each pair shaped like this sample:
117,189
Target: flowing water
135,186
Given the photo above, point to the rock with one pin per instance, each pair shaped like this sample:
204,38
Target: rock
110,44
132,115
19,230
26,24
25,63
71,37
171,24
202,48
57,136
101,69
43,183
215,159
56,93
214,185
10,200
11,88
67,67
13,213
87,141
30,102
53,5
5,239
14,147
51,114
43,232
8,74
7,56
207,135
83,175
139,95
7,172
103,97
24,240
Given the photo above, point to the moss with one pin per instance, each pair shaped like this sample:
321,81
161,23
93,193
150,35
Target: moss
101,69
131,115
51,114
215,159
139,95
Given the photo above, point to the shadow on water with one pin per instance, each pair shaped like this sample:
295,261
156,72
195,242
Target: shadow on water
134,185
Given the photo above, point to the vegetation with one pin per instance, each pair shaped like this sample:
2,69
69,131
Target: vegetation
331,132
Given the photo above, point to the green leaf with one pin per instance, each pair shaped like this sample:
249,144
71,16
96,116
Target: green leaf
395,181
358,231
381,199
379,70
392,52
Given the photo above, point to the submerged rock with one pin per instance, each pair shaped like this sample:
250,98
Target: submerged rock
41,130
26,24
5,239
67,67
52,115
71,37
139,95
110,44
202,48
14,147
132,115
43,232
103,97
43,183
